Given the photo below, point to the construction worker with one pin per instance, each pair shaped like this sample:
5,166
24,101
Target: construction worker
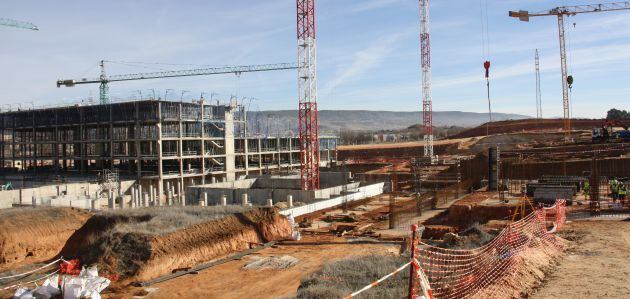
587,190
622,194
613,189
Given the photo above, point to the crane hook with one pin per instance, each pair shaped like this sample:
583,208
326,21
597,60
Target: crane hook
486,65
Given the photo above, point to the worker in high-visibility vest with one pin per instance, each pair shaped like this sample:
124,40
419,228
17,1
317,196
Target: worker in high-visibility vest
587,190
613,189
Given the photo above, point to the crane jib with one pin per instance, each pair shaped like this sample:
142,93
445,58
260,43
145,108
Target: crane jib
181,73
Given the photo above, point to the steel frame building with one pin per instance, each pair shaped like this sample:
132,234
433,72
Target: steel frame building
154,141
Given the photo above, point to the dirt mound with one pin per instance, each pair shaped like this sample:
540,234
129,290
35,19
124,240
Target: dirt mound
109,241
470,210
534,265
523,125
36,234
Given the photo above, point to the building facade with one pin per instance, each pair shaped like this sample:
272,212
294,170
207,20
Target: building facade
156,142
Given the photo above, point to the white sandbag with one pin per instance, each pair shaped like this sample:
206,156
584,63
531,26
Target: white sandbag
49,289
23,293
72,288
295,233
87,285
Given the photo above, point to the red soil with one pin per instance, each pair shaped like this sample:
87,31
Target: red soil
524,125
29,235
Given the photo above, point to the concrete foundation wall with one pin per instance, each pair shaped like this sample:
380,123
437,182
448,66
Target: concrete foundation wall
327,179
260,196
70,191
277,183
5,203
361,193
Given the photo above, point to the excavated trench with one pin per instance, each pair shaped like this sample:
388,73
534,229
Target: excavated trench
34,235
140,255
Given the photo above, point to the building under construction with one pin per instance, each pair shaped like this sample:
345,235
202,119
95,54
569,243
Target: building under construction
155,142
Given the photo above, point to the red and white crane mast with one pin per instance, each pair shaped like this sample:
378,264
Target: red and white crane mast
425,52
307,95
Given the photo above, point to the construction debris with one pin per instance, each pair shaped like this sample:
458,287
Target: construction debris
271,262
86,285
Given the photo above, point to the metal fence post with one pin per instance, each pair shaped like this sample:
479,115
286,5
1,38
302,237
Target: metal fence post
412,269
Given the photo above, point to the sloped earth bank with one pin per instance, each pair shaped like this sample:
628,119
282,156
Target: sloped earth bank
143,256
29,235
532,266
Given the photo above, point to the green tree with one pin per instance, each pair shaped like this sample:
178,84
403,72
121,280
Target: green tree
617,114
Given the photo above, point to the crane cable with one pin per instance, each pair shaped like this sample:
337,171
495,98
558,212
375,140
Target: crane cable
569,59
570,68
485,48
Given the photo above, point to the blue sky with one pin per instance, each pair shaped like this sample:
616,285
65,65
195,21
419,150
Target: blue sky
368,53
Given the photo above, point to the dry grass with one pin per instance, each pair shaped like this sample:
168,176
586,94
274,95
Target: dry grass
338,279
120,241
52,212
164,220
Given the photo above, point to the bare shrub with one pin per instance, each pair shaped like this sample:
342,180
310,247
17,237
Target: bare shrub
164,220
340,278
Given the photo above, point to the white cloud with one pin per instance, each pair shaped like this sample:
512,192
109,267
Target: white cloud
373,4
363,61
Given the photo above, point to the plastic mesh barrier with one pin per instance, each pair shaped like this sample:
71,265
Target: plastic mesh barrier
464,273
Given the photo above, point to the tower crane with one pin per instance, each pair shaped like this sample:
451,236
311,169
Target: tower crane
18,24
427,104
307,95
104,80
560,12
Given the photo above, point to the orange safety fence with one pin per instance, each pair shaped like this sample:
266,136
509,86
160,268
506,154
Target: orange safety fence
557,214
451,273
464,273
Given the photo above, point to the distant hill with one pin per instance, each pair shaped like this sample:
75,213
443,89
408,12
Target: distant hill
334,120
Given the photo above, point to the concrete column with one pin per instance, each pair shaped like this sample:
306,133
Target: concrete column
183,200
224,200
34,200
93,204
132,191
110,201
140,197
244,199
151,196
202,203
96,194
290,200
214,180
169,197
270,202
205,198
179,189
122,202
145,201
168,187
